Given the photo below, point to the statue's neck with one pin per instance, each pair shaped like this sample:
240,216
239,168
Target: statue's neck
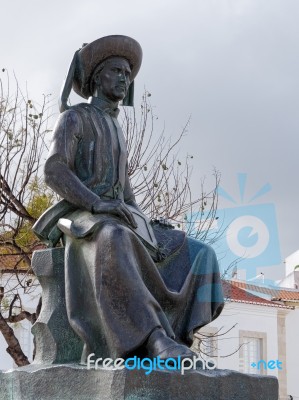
104,104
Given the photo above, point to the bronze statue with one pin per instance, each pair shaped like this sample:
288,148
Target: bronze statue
132,287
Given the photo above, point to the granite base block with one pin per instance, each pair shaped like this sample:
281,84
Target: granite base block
75,382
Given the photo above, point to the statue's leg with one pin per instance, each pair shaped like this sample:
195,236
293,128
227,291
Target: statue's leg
111,289
193,273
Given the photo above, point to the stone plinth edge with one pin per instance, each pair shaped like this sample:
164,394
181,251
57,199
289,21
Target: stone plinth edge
75,382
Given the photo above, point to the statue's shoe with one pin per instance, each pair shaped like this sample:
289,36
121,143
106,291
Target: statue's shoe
162,346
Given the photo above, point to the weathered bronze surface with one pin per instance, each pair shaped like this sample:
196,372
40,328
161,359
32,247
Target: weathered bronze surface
122,296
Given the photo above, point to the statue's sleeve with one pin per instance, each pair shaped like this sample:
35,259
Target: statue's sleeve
60,165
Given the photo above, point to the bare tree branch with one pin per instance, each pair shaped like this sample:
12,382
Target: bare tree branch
14,348
161,181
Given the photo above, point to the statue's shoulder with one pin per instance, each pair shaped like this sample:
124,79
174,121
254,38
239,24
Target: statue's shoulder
75,115
73,120
81,109
84,110
79,118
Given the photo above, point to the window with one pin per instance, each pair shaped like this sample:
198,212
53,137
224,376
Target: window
252,351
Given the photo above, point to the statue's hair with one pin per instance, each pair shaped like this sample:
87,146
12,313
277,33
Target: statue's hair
98,69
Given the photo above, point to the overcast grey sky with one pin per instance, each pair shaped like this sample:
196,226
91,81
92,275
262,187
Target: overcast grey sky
233,65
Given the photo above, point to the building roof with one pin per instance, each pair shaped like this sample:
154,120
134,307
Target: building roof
278,294
11,261
239,295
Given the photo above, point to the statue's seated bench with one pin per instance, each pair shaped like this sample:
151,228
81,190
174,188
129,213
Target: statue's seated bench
55,340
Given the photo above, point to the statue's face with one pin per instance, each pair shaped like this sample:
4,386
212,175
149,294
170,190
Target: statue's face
113,80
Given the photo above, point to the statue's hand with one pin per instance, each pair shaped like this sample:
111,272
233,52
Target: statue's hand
114,207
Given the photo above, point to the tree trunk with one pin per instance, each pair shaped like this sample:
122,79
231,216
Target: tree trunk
14,348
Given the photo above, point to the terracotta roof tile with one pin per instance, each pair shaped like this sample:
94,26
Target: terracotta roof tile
236,294
10,260
281,294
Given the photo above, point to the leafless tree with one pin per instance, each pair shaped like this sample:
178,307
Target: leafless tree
23,196
161,178
23,126
207,343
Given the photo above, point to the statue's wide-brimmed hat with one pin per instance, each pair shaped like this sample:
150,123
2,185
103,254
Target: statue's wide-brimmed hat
92,54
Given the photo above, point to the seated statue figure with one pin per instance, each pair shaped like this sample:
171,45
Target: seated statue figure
132,286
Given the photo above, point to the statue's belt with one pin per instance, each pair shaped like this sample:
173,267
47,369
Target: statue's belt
116,192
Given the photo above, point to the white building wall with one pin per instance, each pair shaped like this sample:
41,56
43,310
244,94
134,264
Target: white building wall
292,350
246,317
288,281
291,281
259,319
6,362
290,262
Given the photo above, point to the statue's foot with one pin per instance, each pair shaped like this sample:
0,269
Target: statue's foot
162,346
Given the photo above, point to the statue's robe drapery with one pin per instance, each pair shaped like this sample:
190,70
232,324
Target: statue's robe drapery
117,293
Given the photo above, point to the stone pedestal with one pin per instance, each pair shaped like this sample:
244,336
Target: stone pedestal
56,342
74,382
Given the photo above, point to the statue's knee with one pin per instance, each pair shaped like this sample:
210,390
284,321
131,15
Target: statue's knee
115,231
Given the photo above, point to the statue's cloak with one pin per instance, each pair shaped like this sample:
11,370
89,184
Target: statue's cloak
117,290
